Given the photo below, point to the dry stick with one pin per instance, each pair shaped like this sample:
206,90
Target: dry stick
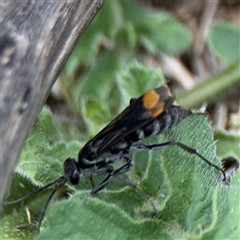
200,39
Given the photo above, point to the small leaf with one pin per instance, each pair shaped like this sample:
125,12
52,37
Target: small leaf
92,85
167,34
138,79
126,39
223,41
159,32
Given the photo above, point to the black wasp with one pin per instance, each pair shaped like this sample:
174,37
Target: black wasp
151,114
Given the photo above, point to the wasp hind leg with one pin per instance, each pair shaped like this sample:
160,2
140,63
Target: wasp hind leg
140,147
140,191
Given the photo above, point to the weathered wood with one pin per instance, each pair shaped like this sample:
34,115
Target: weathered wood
37,38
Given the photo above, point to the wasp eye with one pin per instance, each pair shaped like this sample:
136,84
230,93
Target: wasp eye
74,178
72,171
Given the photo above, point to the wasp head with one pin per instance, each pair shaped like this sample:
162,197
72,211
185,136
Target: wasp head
72,171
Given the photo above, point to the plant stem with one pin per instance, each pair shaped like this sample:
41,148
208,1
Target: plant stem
210,88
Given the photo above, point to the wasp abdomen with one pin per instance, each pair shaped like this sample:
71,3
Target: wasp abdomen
168,119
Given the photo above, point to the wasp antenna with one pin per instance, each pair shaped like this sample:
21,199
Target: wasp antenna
35,192
61,182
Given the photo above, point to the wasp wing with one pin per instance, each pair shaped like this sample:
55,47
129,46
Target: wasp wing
140,111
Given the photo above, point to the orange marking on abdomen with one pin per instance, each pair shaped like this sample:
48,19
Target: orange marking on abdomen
158,109
150,99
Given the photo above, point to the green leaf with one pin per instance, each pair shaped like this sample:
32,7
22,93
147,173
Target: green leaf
138,78
107,65
167,34
44,151
94,219
226,212
223,41
159,32
228,145
100,32
30,162
188,177
126,40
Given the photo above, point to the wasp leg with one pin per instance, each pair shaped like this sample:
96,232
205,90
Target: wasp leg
142,193
117,173
92,182
140,147
125,168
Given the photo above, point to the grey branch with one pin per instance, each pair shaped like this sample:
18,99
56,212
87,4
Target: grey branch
37,38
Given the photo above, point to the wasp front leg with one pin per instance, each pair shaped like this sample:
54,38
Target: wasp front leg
112,173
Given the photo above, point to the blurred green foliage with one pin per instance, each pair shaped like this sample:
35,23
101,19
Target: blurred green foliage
223,41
